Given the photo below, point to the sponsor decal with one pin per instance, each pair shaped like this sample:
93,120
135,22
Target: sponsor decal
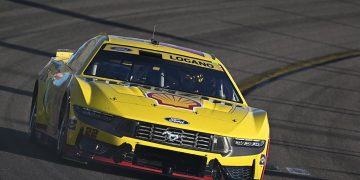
173,100
262,160
112,47
176,120
169,136
192,61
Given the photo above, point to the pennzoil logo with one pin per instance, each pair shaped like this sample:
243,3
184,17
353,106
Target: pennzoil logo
174,100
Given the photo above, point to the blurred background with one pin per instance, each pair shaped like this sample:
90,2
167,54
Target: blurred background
314,113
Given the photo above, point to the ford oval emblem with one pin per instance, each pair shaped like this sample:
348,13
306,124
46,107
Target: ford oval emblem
176,120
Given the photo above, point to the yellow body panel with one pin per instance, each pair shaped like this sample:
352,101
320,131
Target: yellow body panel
63,55
131,103
227,118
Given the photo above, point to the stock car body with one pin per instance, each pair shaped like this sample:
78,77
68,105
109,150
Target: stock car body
151,106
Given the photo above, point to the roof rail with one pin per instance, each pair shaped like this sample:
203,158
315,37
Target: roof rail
105,34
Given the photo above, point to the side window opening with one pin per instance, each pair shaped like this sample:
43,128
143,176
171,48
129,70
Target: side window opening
82,54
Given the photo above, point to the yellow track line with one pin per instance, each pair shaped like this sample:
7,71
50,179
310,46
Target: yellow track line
257,79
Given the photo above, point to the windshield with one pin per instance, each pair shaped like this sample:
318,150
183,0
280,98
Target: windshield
152,70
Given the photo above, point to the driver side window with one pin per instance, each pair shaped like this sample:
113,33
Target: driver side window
82,54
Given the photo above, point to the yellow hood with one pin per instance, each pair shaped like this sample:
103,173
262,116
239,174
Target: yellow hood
154,105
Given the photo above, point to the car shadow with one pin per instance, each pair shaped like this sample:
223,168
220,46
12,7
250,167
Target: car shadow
16,91
26,49
17,142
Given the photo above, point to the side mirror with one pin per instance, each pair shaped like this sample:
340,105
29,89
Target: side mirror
63,55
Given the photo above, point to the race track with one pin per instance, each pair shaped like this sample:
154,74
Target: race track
314,113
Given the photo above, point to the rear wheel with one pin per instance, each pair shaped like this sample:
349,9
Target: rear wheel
63,126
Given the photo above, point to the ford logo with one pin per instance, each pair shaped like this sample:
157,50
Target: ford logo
176,120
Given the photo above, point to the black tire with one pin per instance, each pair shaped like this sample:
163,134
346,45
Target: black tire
63,126
219,174
32,118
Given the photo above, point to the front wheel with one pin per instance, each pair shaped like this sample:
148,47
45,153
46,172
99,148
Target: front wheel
63,126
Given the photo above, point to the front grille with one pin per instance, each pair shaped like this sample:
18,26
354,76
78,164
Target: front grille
174,136
239,172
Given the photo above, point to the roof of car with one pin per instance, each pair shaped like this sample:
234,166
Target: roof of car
161,47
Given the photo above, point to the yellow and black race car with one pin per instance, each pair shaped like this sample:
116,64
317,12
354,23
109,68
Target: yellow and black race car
151,106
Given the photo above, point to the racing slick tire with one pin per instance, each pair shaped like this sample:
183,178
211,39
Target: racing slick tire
32,119
63,126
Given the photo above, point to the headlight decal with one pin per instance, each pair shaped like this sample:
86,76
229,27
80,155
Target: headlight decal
220,145
227,146
106,122
86,113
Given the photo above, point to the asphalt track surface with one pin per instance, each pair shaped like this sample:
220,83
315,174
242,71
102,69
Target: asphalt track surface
314,113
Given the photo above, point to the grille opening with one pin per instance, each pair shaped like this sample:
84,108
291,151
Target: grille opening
160,159
179,137
239,172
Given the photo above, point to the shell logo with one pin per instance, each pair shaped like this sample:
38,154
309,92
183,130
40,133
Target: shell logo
174,100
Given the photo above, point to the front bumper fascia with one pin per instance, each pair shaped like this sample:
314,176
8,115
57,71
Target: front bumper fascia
81,129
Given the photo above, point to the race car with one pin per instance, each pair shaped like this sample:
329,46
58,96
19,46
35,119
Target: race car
151,106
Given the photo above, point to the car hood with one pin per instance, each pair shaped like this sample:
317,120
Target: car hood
171,108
